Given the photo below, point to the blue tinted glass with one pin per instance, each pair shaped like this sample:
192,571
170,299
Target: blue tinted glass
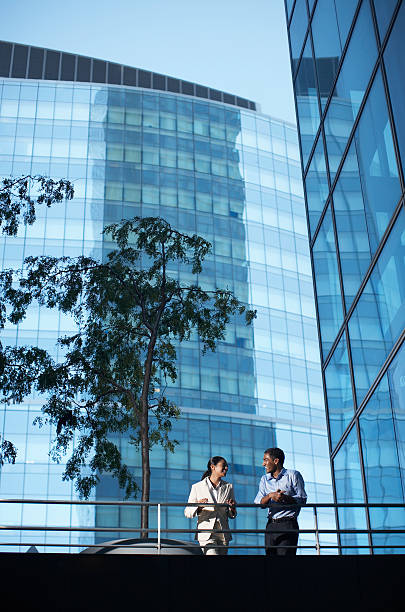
289,4
339,391
394,57
311,5
351,226
367,191
350,87
327,47
383,11
379,316
327,283
396,382
345,11
381,466
298,28
316,183
307,102
349,489
377,164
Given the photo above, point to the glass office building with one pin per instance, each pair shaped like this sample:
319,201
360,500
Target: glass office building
348,64
137,143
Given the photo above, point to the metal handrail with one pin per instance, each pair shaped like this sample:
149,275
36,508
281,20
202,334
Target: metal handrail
159,530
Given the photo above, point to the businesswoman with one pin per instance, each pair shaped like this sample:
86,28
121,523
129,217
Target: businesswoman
212,489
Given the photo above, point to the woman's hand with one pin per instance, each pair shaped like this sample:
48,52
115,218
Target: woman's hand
201,501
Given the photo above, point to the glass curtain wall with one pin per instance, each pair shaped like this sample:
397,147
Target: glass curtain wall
231,175
353,171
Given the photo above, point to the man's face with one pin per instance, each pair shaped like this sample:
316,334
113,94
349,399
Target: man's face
269,463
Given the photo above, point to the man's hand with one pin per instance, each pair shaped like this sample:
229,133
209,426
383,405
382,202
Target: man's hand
277,496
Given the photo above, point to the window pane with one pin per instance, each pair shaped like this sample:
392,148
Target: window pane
377,164
339,391
351,225
381,465
384,10
298,28
350,87
327,48
307,102
327,283
379,316
367,191
349,489
395,64
396,382
345,13
316,183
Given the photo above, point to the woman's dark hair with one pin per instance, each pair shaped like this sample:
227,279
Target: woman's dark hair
213,461
275,453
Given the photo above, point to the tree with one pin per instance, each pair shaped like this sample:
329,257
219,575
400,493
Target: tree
130,310
19,198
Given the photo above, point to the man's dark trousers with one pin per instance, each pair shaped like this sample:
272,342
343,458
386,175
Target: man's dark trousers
279,535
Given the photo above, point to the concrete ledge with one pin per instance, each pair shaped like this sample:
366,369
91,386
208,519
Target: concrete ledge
60,582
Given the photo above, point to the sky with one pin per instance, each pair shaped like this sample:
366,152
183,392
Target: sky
236,46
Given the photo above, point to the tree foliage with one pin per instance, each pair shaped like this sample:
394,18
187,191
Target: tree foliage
19,198
130,310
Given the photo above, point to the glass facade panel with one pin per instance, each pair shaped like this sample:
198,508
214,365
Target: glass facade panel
367,201
379,317
327,46
384,10
394,58
350,87
339,391
298,28
307,101
381,467
367,191
317,187
327,283
349,489
232,176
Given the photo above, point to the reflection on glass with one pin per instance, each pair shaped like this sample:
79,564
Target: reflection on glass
350,87
396,382
316,183
351,225
377,164
394,57
327,47
383,11
327,283
349,489
307,102
381,467
367,191
339,391
298,28
379,317
345,13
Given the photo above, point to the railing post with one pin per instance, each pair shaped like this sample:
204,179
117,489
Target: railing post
158,528
318,547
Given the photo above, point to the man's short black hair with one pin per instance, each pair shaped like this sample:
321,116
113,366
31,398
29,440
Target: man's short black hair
275,453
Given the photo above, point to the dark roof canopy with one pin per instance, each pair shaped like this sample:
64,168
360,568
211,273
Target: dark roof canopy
26,62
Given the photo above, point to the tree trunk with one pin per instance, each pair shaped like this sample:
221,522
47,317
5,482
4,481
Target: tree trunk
144,430
145,472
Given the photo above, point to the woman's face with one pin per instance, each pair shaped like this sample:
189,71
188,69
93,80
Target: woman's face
220,469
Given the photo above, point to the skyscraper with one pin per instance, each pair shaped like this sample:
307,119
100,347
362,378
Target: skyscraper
138,143
348,65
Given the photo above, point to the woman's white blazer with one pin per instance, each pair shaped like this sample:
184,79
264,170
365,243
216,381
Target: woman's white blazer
207,517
